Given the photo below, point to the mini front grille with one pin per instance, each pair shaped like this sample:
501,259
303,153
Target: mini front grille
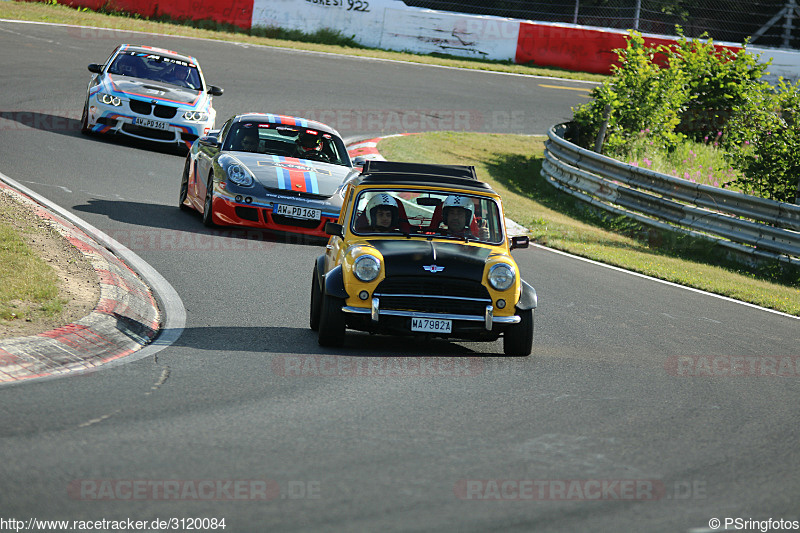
164,111
142,108
148,132
433,295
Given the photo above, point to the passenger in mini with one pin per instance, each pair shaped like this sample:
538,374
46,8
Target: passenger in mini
309,146
382,213
457,214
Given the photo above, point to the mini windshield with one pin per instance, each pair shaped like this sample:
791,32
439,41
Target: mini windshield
157,67
427,214
288,141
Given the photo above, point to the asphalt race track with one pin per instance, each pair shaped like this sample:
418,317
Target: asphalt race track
607,427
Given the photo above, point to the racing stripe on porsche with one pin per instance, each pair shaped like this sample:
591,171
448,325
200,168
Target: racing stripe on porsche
295,179
287,120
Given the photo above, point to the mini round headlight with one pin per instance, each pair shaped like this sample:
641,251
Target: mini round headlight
367,268
239,176
502,276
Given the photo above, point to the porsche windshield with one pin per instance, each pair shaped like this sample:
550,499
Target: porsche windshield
428,214
272,138
157,67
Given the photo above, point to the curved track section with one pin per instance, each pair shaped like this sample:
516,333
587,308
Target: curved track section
645,406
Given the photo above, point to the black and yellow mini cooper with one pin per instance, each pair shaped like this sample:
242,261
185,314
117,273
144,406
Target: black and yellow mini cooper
421,250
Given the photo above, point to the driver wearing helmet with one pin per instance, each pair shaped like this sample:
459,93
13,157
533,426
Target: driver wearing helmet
457,214
309,146
382,213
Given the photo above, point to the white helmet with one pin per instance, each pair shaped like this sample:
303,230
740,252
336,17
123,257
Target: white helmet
460,201
382,200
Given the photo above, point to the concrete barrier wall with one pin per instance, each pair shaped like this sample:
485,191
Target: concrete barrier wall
391,25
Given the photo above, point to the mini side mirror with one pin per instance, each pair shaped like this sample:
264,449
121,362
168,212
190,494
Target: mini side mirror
213,90
94,67
335,229
519,241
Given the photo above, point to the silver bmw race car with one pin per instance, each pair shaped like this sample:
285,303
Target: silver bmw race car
151,94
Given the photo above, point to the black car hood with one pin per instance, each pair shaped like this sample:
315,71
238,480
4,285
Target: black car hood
153,90
290,175
450,260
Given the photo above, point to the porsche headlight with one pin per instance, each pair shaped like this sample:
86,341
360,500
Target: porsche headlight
239,175
195,116
109,99
367,268
502,276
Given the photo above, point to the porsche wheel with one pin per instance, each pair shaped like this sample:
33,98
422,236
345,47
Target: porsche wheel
316,302
184,187
208,205
331,322
518,339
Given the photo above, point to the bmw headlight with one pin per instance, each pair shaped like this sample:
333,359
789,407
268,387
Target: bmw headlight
109,99
502,276
367,268
195,116
239,175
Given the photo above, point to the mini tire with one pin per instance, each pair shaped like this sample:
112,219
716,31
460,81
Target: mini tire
331,322
518,338
208,204
316,302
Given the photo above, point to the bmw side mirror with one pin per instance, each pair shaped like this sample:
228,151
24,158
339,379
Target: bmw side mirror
359,160
519,241
335,229
94,67
213,90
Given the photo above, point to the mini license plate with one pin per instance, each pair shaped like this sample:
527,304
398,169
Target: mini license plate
150,123
298,212
431,325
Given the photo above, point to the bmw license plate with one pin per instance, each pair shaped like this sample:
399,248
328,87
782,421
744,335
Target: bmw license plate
431,325
150,123
295,211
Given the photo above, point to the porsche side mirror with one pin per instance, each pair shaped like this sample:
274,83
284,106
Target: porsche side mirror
94,67
213,90
335,229
519,241
209,140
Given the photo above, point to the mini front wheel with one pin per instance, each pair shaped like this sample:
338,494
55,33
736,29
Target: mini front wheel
518,338
331,321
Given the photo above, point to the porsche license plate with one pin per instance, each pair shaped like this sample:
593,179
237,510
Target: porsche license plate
150,123
295,211
431,325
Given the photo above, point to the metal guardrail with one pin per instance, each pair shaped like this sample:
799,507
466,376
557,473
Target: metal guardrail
756,226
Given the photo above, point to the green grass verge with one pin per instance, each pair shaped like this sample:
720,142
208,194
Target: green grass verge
512,165
30,286
321,41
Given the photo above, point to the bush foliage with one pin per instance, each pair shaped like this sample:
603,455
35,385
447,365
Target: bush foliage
696,91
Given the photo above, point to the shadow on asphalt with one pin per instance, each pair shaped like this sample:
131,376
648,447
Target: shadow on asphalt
285,340
167,226
71,127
